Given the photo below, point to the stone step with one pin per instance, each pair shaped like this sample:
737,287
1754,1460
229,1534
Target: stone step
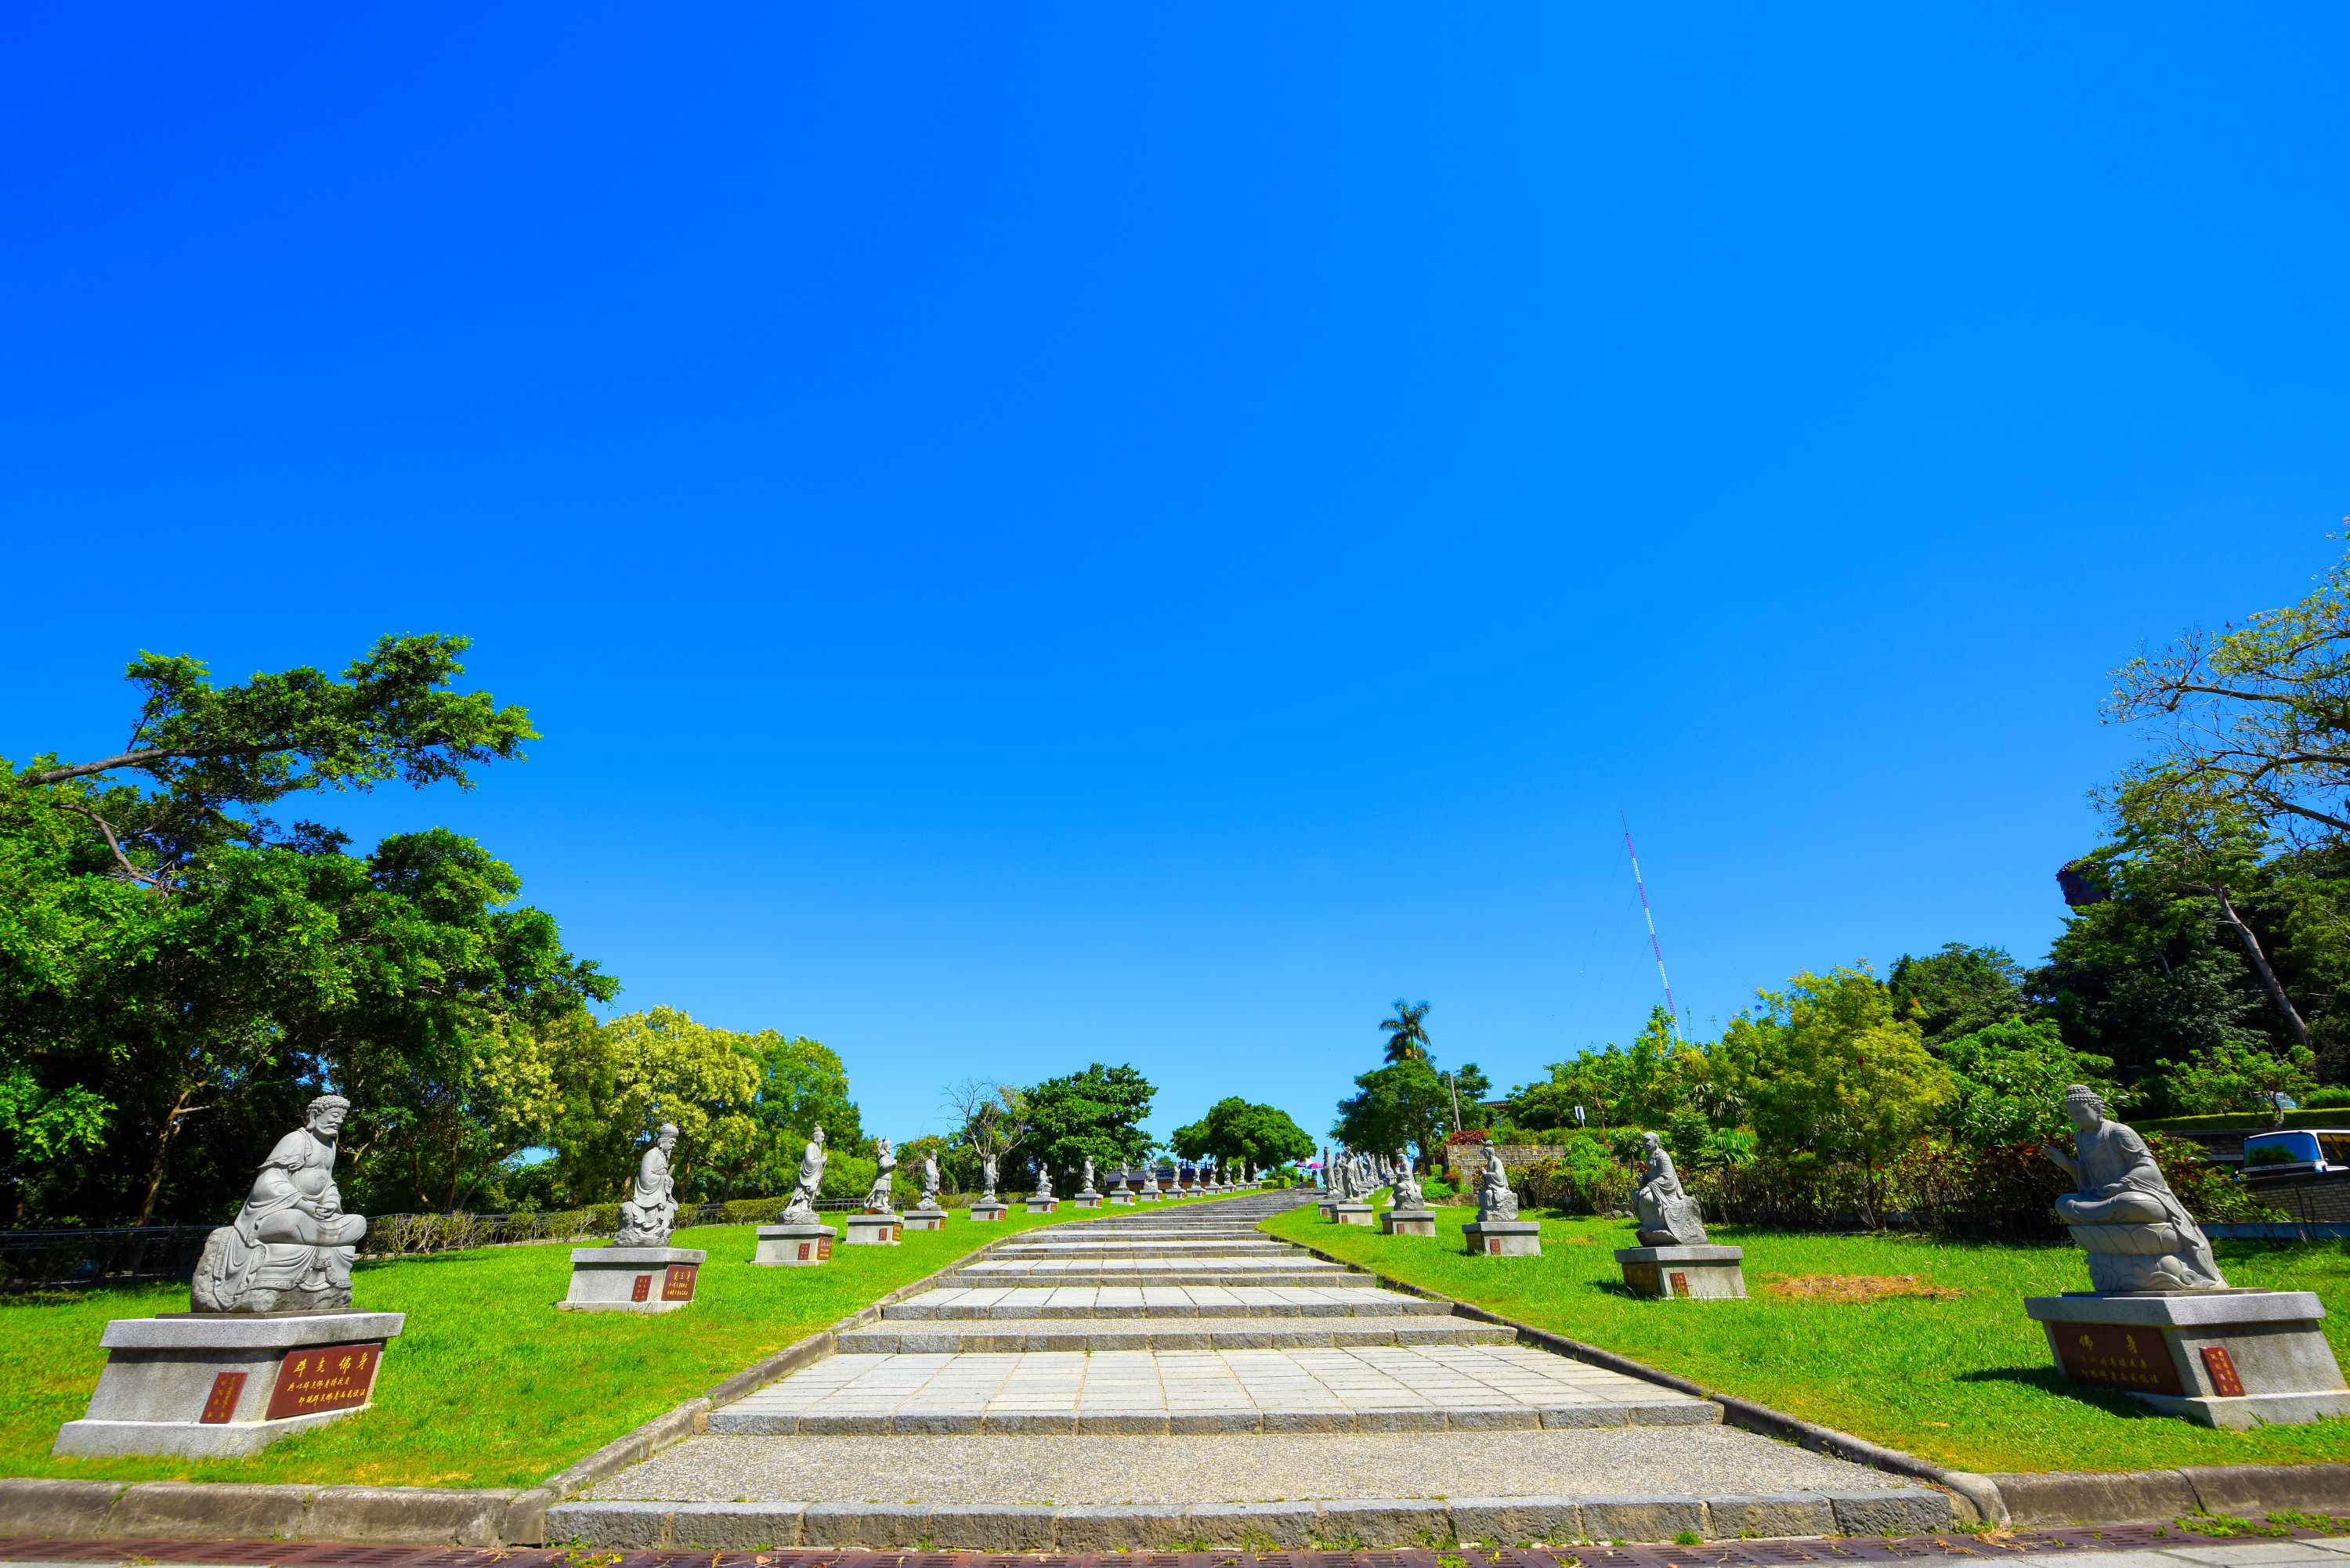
1145,1250
956,1304
1002,1335
1388,1387
979,1275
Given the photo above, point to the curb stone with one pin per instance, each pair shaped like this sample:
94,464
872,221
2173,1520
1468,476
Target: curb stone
2140,1497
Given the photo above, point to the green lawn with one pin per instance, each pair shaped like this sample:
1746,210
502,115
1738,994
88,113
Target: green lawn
489,1385
1965,1381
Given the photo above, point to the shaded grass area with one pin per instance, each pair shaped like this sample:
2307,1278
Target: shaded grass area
1966,1380
488,1384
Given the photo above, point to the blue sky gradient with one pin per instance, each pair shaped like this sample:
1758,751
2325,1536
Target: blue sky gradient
1051,534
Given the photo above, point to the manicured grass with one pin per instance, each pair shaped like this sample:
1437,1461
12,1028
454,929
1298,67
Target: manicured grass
488,1384
1966,1382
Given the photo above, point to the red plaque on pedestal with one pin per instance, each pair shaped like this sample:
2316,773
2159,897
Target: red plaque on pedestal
678,1284
2221,1367
642,1291
328,1377
220,1406
2115,1355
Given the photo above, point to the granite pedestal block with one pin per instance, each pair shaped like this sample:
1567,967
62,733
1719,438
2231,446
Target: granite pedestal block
1043,1205
1408,1222
632,1279
1329,1207
802,1243
871,1230
987,1213
919,1218
1706,1273
2221,1358
1351,1213
1087,1199
1122,1199
1149,1197
209,1384
1503,1238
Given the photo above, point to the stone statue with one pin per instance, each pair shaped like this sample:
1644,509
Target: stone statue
1494,1199
801,1207
1089,1185
1150,1175
649,1213
885,1170
929,1181
987,1178
1333,1177
2137,1234
1407,1194
1043,1177
1667,1215
290,1248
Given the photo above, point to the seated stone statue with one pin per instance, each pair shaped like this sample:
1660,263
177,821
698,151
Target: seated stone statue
2137,1234
649,1213
801,1209
1044,1179
1407,1194
290,1248
1494,1199
1667,1214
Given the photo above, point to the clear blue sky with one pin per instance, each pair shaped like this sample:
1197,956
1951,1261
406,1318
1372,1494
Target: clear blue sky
1039,534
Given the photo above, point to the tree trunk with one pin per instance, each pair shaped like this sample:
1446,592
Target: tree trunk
2260,960
162,1149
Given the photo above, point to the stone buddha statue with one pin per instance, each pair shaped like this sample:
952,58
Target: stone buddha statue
649,1211
2137,1234
290,1248
1667,1213
1407,1194
1494,1199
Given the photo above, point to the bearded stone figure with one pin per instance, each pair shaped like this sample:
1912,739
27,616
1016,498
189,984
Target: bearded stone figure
649,1213
290,1248
1667,1215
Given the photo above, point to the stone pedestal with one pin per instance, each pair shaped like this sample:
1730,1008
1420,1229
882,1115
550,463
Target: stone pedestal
1329,1207
921,1218
632,1279
1147,1197
1043,1205
1353,1211
214,1385
800,1243
986,1213
1706,1273
1121,1199
1408,1222
2222,1358
1503,1238
869,1229
1087,1199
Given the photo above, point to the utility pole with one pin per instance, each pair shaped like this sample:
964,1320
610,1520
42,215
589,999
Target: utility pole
1672,1011
1454,1084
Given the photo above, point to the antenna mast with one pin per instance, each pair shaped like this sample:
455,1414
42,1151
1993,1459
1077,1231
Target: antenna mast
1671,1009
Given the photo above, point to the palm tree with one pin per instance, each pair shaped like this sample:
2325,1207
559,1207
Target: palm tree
1406,1038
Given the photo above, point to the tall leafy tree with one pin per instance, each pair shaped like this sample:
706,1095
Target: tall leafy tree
1234,1129
1957,991
1096,1113
179,969
1405,1103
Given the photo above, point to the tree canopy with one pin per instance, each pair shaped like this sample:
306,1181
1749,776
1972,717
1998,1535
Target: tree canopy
1096,1113
1260,1136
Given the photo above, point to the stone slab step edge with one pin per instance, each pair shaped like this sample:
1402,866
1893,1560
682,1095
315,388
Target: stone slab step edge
972,1280
1012,1335
752,1421
1375,1304
1366,1522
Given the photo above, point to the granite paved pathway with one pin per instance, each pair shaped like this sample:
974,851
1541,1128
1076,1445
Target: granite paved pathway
1162,1376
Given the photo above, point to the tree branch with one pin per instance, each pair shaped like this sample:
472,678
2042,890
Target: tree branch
153,755
129,869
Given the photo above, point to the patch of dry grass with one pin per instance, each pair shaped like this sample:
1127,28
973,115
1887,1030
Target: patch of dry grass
1858,1288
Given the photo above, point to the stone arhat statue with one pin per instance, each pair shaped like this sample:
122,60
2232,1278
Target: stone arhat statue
2137,1234
929,1181
1494,1199
1407,1194
987,1178
801,1207
1667,1213
1043,1177
290,1248
649,1211
878,1198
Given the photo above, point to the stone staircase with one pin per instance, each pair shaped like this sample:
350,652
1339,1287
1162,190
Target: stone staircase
1177,1376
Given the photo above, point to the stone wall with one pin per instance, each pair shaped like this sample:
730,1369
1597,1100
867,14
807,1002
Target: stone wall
1466,1161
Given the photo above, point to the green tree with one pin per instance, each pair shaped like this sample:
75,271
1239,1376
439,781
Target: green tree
1638,1086
1259,1136
1957,991
629,1075
1406,1036
172,959
1824,1067
1404,1105
1096,1113
2235,1076
802,1086
2009,1079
